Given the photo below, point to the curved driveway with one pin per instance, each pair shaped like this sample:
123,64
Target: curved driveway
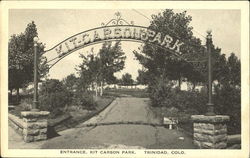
121,135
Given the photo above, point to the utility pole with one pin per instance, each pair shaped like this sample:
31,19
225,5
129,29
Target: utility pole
210,105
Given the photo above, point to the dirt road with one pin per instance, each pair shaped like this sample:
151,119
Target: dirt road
121,135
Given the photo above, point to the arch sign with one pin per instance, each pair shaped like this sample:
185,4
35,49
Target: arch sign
114,33
117,31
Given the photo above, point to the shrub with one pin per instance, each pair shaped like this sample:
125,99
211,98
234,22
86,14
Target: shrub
228,102
84,101
25,105
170,112
163,94
190,101
54,97
160,92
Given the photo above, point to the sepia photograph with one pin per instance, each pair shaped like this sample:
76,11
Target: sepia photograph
125,81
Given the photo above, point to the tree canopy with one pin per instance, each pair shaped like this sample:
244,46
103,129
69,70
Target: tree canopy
163,63
21,58
142,77
96,70
192,65
112,59
127,79
70,82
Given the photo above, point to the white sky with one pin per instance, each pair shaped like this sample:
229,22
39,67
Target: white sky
56,25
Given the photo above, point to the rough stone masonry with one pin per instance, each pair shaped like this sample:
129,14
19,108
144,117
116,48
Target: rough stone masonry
35,125
210,132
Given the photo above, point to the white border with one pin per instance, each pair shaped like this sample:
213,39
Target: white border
243,6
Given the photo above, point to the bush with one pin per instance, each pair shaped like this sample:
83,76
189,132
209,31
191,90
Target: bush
84,101
54,97
164,95
160,92
191,102
170,112
25,105
228,102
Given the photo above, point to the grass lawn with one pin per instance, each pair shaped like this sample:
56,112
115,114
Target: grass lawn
139,93
69,118
82,115
185,124
108,97
78,116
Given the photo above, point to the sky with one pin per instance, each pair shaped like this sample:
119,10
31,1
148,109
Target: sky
55,25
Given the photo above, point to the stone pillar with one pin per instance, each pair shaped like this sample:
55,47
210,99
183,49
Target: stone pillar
210,132
35,125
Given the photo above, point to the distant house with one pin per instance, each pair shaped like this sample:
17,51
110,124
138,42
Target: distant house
187,86
27,90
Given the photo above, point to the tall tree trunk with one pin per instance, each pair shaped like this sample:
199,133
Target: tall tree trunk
92,86
207,89
17,95
194,85
179,82
101,88
10,99
96,89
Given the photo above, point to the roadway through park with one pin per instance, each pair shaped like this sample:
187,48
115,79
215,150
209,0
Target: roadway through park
132,136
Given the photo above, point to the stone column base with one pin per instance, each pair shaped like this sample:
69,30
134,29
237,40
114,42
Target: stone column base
210,132
35,125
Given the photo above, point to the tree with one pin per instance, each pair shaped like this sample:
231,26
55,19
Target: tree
112,59
163,63
88,71
70,82
99,69
234,65
21,59
225,71
142,77
127,79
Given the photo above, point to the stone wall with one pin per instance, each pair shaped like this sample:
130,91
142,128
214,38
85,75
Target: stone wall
32,126
210,132
35,125
16,123
234,141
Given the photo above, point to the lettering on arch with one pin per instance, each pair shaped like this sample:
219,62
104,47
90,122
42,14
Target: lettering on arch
121,32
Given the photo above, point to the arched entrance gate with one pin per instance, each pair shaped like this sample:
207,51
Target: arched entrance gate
120,29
